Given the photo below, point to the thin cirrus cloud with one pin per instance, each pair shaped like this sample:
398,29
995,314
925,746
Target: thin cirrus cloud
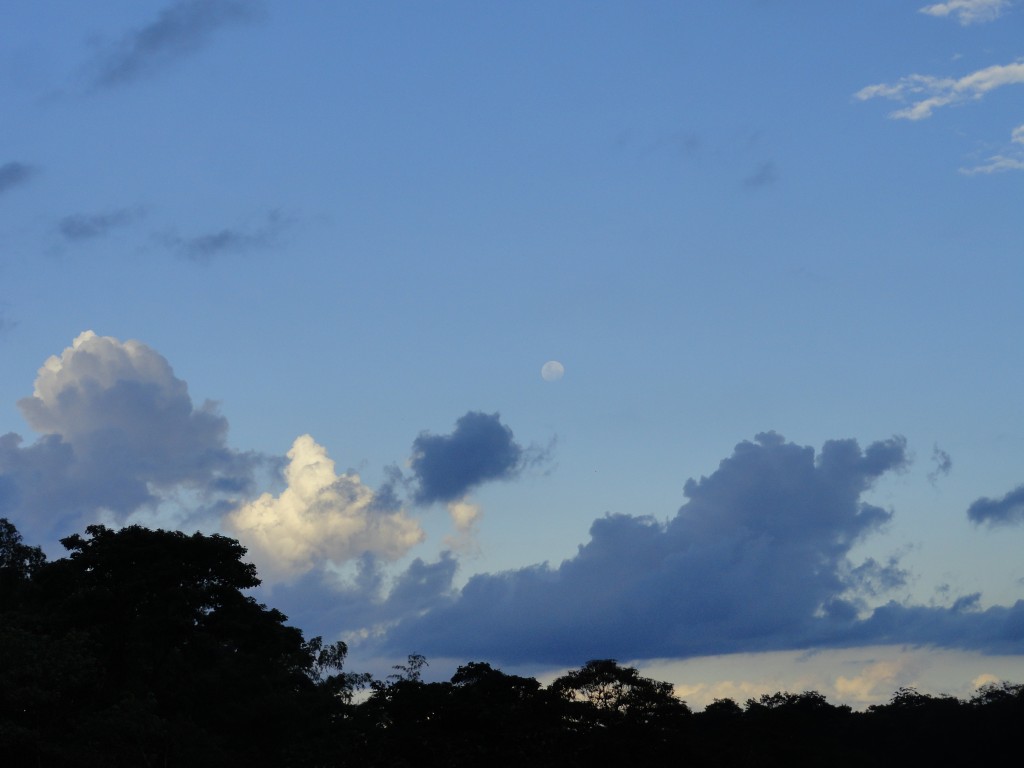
764,175
205,248
182,28
119,433
1012,161
14,174
928,93
757,559
82,226
968,12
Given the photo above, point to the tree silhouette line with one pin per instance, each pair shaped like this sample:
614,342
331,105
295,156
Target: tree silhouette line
142,648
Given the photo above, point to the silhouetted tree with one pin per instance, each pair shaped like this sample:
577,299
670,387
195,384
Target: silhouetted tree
142,647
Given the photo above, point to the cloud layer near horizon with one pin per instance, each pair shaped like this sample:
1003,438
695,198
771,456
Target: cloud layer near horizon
756,559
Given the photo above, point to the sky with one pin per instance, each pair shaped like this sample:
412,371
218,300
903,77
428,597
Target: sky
686,334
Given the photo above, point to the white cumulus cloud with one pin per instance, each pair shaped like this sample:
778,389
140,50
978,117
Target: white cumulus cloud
119,433
968,11
320,516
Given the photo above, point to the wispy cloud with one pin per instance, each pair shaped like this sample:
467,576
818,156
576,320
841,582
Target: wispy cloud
764,175
995,164
929,93
207,247
943,464
81,226
1012,160
13,174
968,12
182,28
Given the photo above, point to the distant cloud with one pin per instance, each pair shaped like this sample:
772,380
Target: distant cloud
480,449
929,93
205,248
943,464
1006,511
968,11
765,175
995,164
1014,161
119,433
756,559
182,28
89,226
12,174
320,516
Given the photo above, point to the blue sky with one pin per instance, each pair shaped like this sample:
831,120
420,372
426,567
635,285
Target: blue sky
322,252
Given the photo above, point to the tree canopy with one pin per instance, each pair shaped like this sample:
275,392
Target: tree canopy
143,647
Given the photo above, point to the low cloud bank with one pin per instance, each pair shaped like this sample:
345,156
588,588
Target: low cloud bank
756,559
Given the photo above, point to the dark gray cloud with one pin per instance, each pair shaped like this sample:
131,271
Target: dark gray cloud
764,175
320,604
119,432
13,174
481,448
88,226
756,559
1005,511
182,28
207,247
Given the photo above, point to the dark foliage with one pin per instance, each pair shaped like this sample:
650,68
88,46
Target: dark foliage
142,648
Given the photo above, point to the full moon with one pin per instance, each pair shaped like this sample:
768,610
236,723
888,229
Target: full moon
552,370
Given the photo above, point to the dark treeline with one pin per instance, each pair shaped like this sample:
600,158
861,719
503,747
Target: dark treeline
141,648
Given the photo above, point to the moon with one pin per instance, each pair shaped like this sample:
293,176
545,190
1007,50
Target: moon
552,370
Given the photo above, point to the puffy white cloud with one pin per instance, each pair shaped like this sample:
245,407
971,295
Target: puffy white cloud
321,516
932,93
968,11
119,432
